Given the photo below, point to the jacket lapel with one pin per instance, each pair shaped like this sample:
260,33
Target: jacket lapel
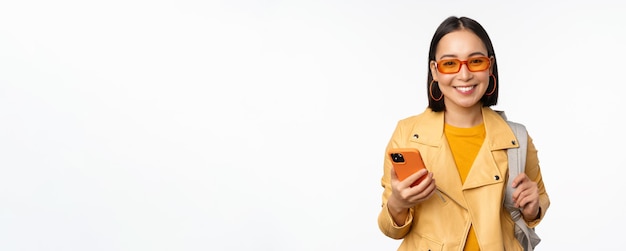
437,156
486,170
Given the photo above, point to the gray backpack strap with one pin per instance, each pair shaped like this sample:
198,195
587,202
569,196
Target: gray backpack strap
517,163
517,156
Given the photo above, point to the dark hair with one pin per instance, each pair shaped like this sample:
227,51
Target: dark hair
447,26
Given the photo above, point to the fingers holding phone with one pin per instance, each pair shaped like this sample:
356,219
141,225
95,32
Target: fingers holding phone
411,181
425,186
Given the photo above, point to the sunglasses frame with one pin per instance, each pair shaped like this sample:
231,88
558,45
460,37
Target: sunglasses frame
463,63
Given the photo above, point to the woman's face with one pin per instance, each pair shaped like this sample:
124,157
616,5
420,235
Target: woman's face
465,88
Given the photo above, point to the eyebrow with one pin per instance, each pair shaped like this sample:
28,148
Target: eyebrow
455,56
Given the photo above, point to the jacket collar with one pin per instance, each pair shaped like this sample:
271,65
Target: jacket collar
498,134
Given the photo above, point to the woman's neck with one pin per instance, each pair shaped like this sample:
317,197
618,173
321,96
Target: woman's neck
463,117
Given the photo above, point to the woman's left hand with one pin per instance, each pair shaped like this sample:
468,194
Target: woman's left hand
526,196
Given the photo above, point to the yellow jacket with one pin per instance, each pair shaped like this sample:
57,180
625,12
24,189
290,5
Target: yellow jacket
443,221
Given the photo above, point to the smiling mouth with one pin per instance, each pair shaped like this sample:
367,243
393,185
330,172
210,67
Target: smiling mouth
465,88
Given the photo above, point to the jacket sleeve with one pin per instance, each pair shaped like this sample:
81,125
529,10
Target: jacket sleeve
533,171
385,221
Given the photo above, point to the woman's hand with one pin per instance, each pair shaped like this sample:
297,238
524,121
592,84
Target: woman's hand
403,196
526,196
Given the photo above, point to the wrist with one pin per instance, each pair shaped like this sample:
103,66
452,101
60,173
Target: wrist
398,214
393,207
538,214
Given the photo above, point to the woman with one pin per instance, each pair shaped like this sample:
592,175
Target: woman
458,205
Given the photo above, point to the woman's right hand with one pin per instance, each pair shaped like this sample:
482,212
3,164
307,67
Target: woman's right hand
403,196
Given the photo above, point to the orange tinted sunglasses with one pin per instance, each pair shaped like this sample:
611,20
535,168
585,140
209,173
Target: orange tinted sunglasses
474,64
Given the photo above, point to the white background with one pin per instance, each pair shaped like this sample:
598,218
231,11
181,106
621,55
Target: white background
261,125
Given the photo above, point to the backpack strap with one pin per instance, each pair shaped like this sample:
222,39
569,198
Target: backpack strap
517,164
517,156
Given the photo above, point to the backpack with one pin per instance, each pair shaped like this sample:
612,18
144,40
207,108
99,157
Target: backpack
517,162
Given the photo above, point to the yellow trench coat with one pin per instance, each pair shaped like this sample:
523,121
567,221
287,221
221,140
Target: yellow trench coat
443,221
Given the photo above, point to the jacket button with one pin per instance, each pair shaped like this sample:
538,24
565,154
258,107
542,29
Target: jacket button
513,142
415,136
496,177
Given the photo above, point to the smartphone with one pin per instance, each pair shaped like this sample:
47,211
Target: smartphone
407,161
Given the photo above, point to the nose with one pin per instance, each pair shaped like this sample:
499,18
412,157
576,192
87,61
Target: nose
465,73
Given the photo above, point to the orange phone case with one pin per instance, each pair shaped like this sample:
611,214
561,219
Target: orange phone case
410,162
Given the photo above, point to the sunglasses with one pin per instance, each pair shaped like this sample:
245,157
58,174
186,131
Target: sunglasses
449,66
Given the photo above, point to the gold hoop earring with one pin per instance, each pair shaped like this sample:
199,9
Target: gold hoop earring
495,85
430,91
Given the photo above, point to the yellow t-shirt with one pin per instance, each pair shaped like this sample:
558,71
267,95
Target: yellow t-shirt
465,144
